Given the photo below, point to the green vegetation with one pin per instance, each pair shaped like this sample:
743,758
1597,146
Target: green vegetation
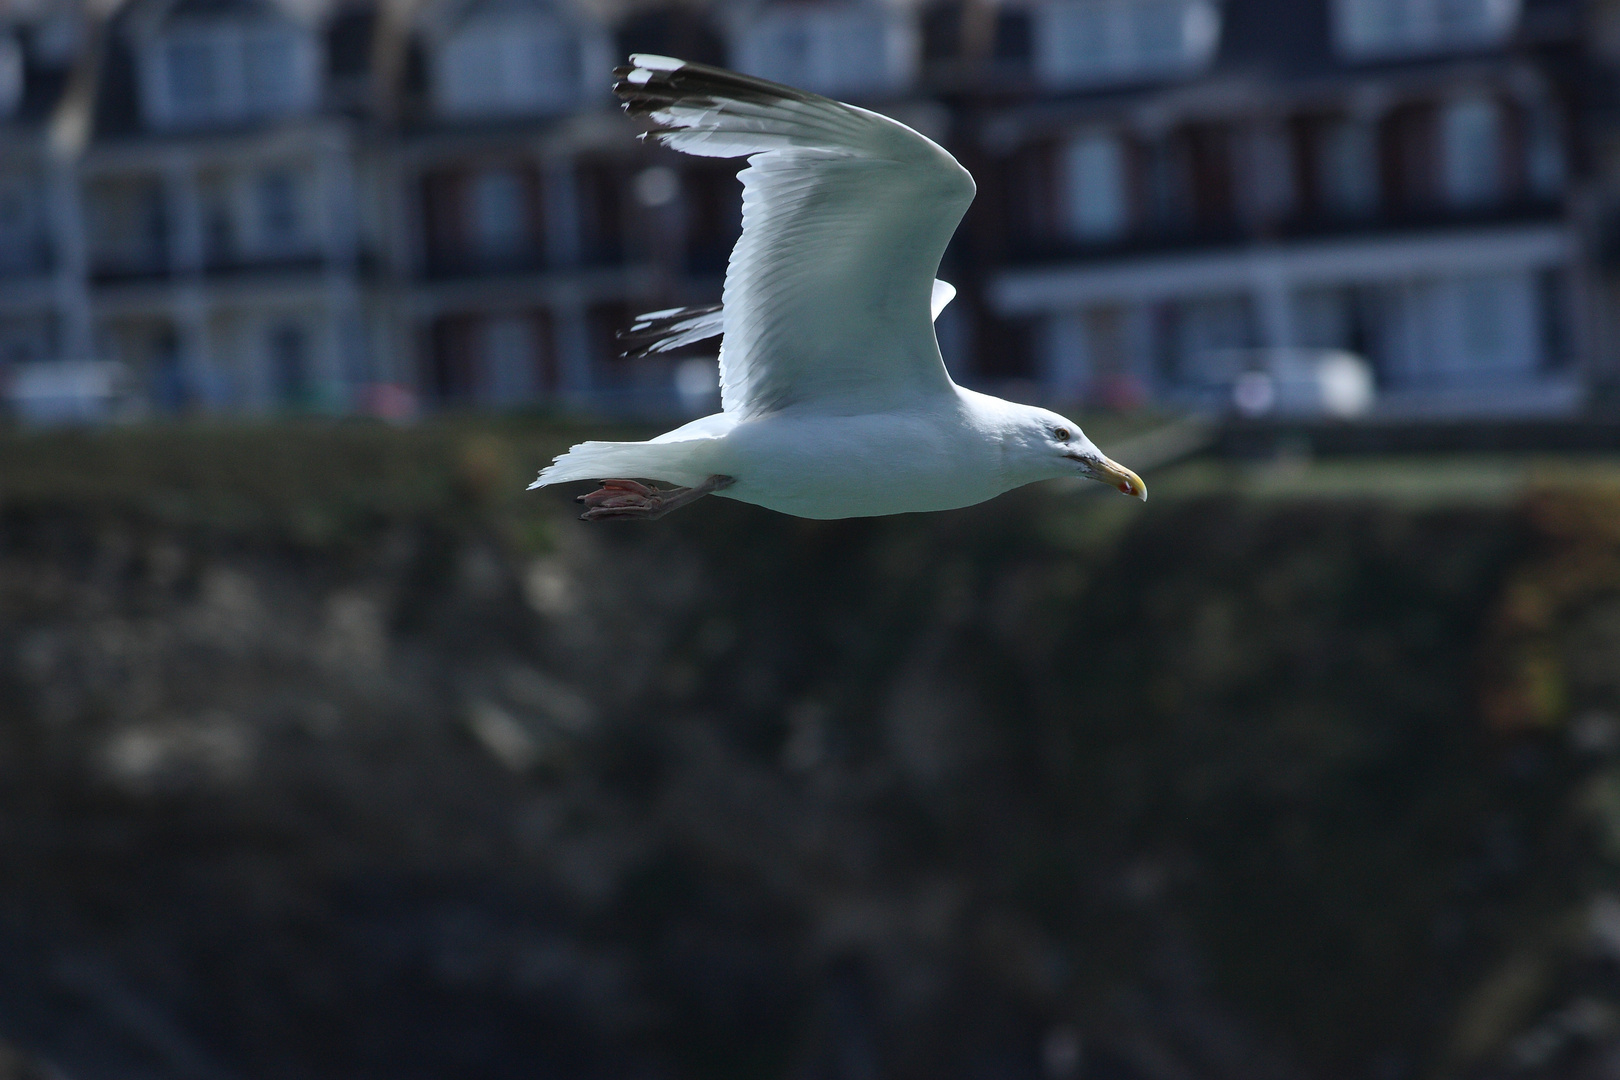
326,475
1304,768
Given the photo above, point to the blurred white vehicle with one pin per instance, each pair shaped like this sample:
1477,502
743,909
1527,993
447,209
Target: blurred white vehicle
1299,383
68,391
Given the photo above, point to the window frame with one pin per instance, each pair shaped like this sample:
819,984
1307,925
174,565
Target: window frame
297,193
12,72
492,193
1076,181
1123,53
823,23
1472,158
517,89
226,47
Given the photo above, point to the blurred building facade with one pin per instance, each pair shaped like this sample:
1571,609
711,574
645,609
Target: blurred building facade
256,205
1390,177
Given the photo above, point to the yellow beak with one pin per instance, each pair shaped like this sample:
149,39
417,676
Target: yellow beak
1118,476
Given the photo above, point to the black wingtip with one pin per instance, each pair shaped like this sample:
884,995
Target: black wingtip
645,334
691,82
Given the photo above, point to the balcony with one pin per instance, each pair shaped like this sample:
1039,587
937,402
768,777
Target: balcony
236,263
1391,29
113,268
447,262
1034,246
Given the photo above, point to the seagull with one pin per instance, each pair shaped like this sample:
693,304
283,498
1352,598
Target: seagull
835,402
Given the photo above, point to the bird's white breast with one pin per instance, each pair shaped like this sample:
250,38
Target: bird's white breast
820,466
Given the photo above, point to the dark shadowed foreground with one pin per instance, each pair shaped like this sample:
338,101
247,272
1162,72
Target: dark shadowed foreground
331,756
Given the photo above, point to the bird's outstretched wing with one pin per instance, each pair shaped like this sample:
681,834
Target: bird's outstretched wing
674,328
845,216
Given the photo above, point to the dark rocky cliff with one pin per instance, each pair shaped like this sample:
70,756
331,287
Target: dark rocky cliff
325,754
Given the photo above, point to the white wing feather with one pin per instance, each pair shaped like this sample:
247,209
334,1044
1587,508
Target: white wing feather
830,293
674,328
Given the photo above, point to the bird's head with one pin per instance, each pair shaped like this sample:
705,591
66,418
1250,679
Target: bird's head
1053,446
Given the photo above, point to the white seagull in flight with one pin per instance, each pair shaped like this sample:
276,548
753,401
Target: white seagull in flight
835,401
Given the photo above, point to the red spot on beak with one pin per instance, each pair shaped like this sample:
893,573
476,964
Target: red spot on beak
1125,489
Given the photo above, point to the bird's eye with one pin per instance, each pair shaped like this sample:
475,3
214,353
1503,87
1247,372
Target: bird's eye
1060,434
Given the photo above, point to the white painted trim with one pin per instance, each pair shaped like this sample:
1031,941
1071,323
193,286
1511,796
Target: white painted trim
1322,263
1537,395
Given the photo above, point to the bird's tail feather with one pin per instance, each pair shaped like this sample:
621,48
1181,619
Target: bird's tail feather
616,460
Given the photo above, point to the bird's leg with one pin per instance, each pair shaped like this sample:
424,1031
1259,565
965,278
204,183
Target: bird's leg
629,499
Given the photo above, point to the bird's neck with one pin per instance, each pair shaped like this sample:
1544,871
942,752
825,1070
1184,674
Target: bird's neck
997,423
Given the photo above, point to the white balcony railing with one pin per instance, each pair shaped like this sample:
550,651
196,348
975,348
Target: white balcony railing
1375,29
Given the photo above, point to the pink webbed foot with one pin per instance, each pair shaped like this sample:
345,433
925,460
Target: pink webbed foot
631,499
622,499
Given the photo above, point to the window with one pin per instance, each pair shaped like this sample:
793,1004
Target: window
1094,175
11,74
1014,38
1374,28
290,373
219,230
193,71
508,360
24,341
1324,318
1545,164
207,73
1471,152
278,201
1499,323
498,215
1467,331
17,227
13,209
830,48
514,63
269,60
672,30
1347,163
1210,336
942,32
1098,41
1266,172
128,226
